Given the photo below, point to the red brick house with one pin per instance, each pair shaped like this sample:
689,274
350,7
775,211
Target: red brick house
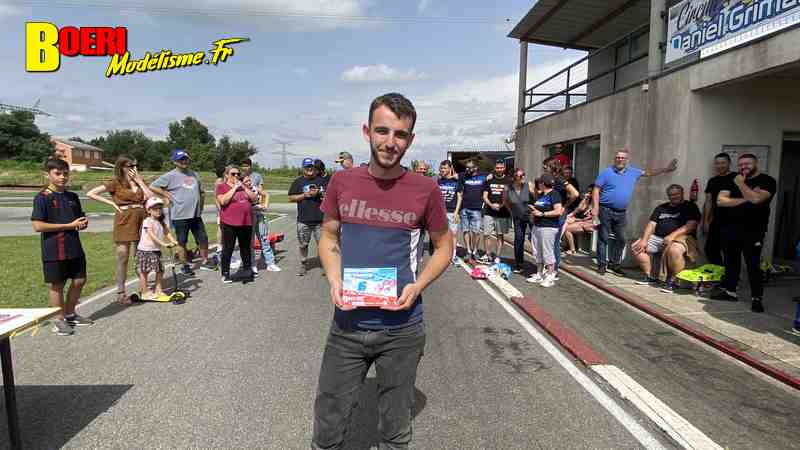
80,156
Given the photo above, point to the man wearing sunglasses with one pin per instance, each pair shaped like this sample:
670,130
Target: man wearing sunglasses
183,192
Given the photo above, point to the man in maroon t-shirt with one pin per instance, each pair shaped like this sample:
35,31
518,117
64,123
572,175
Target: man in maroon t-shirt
371,247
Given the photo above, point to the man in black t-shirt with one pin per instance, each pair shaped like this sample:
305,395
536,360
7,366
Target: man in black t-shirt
470,207
743,212
724,176
307,191
496,218
671,232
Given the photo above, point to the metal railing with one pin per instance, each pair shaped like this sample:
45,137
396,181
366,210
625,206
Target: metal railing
568,97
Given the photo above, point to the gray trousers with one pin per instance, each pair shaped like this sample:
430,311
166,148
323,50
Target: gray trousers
347,358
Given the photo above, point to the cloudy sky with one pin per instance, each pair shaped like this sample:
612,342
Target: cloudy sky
306,77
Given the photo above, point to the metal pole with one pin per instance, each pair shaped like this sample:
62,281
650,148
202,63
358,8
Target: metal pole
658,34
10,393
523,81
568,72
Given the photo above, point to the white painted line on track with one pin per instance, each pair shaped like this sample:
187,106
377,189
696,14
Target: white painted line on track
681,430
640,433
686,434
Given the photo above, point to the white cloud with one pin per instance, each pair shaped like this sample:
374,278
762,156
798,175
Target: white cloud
301,72
423,5
380,72
273,15
7,11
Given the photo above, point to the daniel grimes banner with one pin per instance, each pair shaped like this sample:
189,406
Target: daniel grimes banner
712,26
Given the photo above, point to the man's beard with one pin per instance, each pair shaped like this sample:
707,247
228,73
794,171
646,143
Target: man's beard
374,153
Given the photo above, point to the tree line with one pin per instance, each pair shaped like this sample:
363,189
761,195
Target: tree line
21,140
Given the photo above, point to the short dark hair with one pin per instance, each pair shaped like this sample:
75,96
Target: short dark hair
55,164
723,155
246,162
748,155
398,104
446,162
674,186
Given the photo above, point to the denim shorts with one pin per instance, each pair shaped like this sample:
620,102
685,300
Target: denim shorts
451,222
184,226
471,220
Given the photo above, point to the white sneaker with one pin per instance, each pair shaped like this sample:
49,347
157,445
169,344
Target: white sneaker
535,278
497,260
273,268
549,280
255,269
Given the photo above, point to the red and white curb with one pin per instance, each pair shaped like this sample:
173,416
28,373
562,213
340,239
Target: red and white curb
673,424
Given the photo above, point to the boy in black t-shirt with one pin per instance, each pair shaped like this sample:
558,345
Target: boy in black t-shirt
671,232
58,215
743,212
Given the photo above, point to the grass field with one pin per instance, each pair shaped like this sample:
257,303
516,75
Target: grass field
25,175
93,206
21,284
89,206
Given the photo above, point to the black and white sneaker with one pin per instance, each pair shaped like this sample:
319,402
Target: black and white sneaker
226,279
61,327
756,306
301,271
616,269
209,266
668,287
725,295
78,321
186,270
647,281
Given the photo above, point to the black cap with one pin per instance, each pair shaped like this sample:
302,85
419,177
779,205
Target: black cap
547,179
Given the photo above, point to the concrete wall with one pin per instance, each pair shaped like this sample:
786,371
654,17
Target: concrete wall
671,120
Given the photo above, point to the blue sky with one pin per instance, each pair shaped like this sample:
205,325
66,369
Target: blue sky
307,79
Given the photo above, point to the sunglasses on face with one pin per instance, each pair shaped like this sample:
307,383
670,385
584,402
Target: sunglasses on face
133,166
235,174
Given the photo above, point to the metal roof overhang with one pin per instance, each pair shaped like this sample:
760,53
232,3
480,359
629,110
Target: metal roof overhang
581,24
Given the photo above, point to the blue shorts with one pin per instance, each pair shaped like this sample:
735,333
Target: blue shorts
470,220
195,225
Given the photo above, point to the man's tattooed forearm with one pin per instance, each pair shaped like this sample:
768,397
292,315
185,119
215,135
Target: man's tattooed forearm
335,249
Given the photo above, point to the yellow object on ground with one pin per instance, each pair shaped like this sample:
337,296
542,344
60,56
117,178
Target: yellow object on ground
704,273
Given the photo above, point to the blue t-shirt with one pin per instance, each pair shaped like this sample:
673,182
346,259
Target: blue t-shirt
449,187
616,188
381,228
471,189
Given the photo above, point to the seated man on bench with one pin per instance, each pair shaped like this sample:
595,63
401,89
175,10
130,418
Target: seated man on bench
670,232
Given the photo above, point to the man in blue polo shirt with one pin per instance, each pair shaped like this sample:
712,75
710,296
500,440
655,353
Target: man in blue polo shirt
611,195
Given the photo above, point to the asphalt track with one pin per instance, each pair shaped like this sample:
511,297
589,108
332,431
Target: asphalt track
736,406
237,366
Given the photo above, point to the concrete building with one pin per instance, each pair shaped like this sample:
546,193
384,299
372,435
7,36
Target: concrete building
681,79
80,156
